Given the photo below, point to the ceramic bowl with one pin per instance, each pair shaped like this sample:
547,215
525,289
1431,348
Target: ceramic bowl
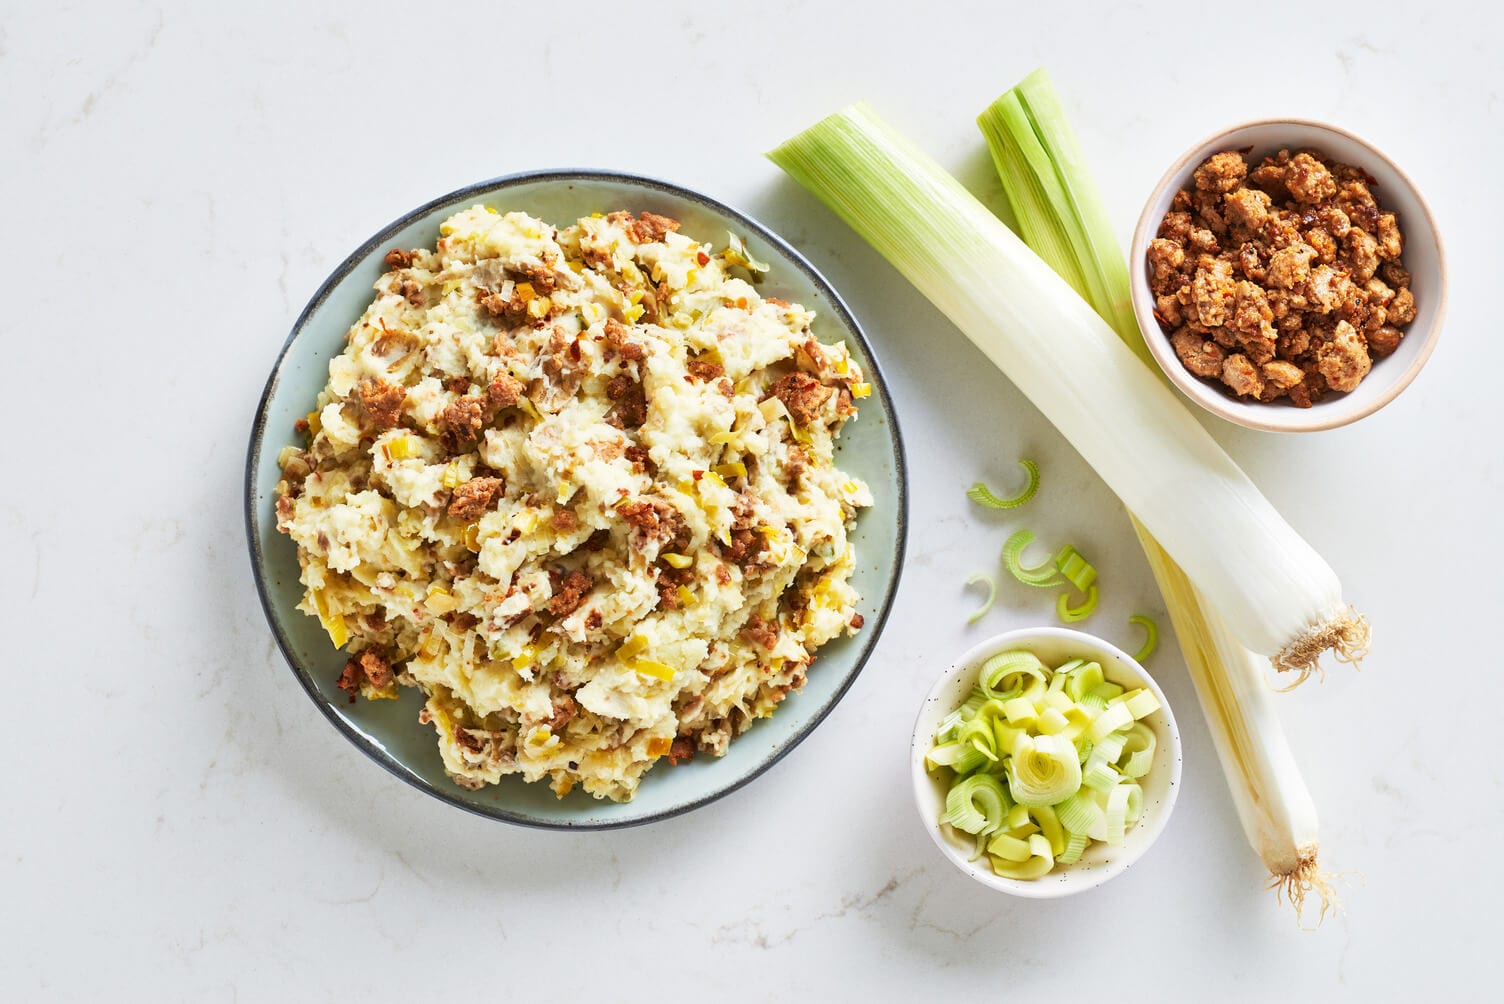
1423,256
1100,862
388,731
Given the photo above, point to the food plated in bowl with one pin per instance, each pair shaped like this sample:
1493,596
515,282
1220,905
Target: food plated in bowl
1009,809
1288,277
576,479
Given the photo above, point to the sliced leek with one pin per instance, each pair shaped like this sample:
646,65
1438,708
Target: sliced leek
1077,570
977,804
1151,636
1071,614
1043,770
983,579
1280,597
1043,575
983,496
1040,761
1271,797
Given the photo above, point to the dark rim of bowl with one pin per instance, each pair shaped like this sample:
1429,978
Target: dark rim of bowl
253,538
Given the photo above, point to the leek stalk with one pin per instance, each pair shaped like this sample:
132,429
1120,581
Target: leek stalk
1278,594
1272,801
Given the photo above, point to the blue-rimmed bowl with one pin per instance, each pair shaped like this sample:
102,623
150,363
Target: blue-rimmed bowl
388,731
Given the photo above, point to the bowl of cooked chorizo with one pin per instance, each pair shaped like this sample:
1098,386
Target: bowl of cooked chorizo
1288,276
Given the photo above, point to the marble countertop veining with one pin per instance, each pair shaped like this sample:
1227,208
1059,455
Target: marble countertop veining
182,824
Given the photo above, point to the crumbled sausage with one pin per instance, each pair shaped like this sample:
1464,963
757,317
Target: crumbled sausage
1251,320
630,407
1379,292
382,402
1200,355
1202,241
1279,376
1167,311
502,393
1362,253
1247,207
1355,199
668,584
542,275
1270,178
570,593
1325,245
617,342
376,668
1402,307
856,622
1325,289
801,394
704,369
1221,172
763,632
1239,373
1384,340
398,258
1176,226
1396,274
745,545
1212,291
1334,220
474,497
1208,207
1166,264
656,519
682,749
564,709
513,308
1308,179
1343,360
460,423
349,679
564,521
1281,229
1250,263
650,228
1391,241
370,667
1291,266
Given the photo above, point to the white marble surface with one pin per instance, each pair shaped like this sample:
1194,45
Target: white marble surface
181,824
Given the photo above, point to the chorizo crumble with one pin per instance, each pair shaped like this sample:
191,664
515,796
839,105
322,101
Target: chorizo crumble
1280,281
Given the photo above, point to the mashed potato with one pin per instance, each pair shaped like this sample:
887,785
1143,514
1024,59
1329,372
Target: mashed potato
577,486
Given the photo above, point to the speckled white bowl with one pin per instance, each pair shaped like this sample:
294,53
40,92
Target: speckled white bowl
1423,256
1054,646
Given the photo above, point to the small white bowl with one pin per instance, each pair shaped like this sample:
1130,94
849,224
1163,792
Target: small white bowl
1423,256
1053,646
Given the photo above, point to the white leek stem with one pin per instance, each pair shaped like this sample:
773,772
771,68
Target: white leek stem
1271,797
